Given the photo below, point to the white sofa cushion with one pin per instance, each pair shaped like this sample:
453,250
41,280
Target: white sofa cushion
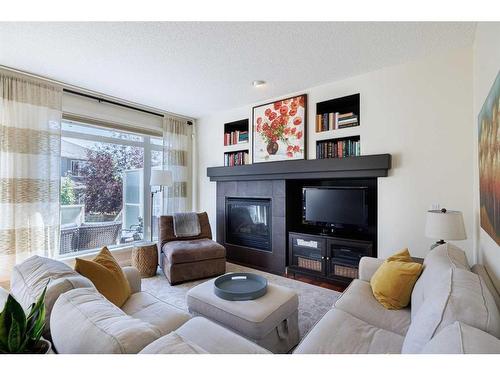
436,263
339,332
30,277
159,314
358,300
216,339
481,270
459,295
459,338
84,322
172,344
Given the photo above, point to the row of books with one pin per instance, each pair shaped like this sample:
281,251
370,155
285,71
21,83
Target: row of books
337,149
335,120
236,158
235,137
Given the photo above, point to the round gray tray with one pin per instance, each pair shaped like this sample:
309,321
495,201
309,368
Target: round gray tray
240,286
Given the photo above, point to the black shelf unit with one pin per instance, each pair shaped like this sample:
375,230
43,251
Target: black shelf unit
345,104
337,148
326,257
333,253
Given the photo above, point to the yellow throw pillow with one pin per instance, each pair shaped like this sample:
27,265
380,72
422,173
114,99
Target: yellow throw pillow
107,276
393,281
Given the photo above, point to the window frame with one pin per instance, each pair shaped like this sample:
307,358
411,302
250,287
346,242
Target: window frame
147,146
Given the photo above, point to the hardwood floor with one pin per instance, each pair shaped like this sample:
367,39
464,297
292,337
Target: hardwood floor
323,284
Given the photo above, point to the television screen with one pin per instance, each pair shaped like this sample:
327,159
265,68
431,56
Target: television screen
336,205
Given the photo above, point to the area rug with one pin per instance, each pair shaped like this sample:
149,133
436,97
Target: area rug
314,301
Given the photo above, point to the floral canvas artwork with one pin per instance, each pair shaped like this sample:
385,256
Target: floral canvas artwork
489,162
279,130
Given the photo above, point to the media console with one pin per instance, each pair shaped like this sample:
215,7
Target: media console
326,257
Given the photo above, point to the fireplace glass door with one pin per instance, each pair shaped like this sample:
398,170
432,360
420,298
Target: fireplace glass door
248,222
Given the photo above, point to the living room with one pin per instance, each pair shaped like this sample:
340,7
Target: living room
262,186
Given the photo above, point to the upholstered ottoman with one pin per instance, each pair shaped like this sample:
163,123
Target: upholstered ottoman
270,321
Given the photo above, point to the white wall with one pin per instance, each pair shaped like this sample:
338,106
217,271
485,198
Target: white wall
420,113
486,66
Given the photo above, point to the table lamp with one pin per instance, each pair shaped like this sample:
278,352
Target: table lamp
444,225
159,178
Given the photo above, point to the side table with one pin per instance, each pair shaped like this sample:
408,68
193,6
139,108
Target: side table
145,259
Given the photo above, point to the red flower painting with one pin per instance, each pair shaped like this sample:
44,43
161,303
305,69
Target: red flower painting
278,130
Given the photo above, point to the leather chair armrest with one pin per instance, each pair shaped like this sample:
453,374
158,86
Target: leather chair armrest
368,266
134,278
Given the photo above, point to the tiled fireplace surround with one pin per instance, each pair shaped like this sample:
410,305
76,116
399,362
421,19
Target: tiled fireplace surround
274,261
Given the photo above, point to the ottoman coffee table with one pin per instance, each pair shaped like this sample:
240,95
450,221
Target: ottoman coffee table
270,321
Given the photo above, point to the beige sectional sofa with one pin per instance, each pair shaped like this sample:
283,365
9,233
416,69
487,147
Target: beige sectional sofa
453,310
81,320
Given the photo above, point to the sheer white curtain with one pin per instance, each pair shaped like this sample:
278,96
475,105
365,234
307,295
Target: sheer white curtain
30,120
176,148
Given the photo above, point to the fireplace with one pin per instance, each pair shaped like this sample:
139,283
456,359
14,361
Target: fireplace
248,222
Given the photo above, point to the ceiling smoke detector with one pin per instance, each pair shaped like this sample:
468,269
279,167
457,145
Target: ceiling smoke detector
258,83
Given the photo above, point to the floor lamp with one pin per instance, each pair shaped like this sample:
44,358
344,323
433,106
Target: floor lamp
159,179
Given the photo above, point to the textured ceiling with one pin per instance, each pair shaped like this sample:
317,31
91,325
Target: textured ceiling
197,68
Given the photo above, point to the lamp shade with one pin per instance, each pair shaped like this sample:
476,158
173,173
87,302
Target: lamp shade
160,177
445,225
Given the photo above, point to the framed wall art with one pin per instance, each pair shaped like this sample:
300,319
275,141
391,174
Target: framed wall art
279,130
489,162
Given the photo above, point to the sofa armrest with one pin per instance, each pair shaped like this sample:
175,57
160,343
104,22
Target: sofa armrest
83,321
368,266
134,278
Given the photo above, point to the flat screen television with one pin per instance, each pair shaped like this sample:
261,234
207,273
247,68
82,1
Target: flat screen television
340,207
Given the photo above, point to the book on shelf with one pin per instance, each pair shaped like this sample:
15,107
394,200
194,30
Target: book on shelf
338,148
235,137
232,159
335,120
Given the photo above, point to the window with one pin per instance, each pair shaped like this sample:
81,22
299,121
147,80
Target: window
105,193
77,167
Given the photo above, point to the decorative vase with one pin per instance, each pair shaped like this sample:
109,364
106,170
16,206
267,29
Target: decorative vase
272,148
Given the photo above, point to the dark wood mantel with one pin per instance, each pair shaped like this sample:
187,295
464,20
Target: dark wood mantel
349,167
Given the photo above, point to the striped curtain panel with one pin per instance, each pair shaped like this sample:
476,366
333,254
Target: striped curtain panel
176,144
30,120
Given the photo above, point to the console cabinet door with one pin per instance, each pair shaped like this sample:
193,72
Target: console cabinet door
308,253
343,256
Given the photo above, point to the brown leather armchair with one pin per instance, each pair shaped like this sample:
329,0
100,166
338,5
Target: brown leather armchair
189,258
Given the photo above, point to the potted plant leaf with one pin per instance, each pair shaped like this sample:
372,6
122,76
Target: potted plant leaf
20,333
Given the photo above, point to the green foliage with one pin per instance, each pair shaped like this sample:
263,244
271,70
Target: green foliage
103,173
67,192
20,333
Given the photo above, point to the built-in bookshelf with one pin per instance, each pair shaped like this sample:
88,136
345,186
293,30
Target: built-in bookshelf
232,159
236,133
337,148
337,128
337,114
236,143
